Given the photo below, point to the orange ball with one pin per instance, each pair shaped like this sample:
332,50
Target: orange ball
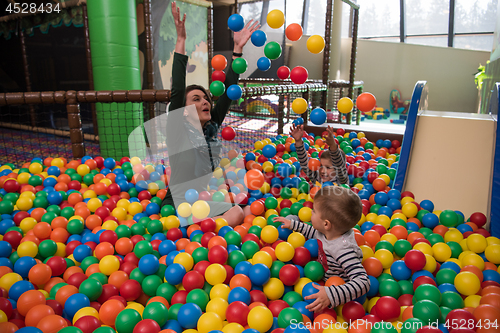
257,208
36,313
40,274
473,269
28,300
65,292
52,324
490,290
360,326
124,246
160,299
372,237
100,188
64,178
59,222
109,310
379,184
37,213
373,266
271,252
217,240
42,230
118,278
104,249
52,282
93,221
192,228
94,268
8,327
334,281
240,280
407,313
254,179
70,271
440,230
399,231
293,32
191,247
314,164
59,235
182,243
491,299
487,313
219,62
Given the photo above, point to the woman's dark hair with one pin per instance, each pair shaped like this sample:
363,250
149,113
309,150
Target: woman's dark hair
198,87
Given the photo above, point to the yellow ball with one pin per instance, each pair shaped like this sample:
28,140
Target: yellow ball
269,234
299,105
315,44
86,311
218,305
83,169
23,178
267,166
270,212
27,224
367,251
135,208
27,249
409,209
274,289
399,216
135,160
109,264
467,283
477,243
208,322
135,306
492,253
383,220
260,318
259,221
345,105
7,280
262,257
463,245
258,145
24,204
215,274
391,238
170,222
453,235
424,248
184,209
201,209
300,285
385,257
305,214
406,200
430,263
124,203
220,222
362,220
473,259
110,225
442,252
94,204
371,217
284,251
153,188
275,19
231,328
386,179
296,239
472,301
120,213
35,168
491,240
185,260
220,290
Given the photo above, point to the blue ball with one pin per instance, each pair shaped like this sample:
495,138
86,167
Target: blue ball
6,262
29,329
381,198
234,92
427,205
224,230
309,290
50,182
491,275
463,227
394,194
379,143
284,233
81,252
269,151
298,121
149,264
394,204
263,64
412,226
239,294
109,163
285,169
318,116
53,171
5,249
54,198
364,194
353,135
374,284
171,256
447,287
430,220
258,38
387,143
23,265
75,302
384,210
312,246
191,196
19,288
174,273
355,143
301,306
152,209
400,271
250,330
420,273
236,22
172,325
249,157
188,315
259,274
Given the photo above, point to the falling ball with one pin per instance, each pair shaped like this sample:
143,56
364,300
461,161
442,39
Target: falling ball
228,133
258,38
299,75
315,44
235,22
283,72
275,18
263,64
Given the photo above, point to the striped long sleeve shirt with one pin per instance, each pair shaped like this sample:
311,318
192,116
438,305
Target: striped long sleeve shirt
339,257
338,162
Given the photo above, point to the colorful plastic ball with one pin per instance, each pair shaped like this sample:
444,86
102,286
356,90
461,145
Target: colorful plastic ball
219,62
237,312
299,75
127,320
427,311
400,271
477,243
76,302
274,289
217,88
289,275
188,315
315,44
260,318
318,116
309,289
263,64
156,311
109,264
285,251
236,22
314,270
209,322
283,72
228,133
239,294
175,273
258,38
275,19
254,179
388,308
23,266
448,218
415,260
345,105
293,32
218,76
52,323
478,219
467,283
259,274
85,324
234,91
215,274
272,50
365,102
149,264
289,316
299,105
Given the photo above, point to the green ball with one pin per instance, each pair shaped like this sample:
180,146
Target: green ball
75,176
200,254
304,187
314,270
92,288
249,248
235,257
288,316
161,269
123,231
448,218
39,202
47,248
35,181
69,262
12,197
406,287
444,312
103,279
255,229
384,276
88,179
127,319
275,268
271,203
427,292
137,275
292,297
67,212
156,311
75,226
286,193
129,173
398,221
217,88
104,329
401,247
138,229
375,208
357,181
390,288
427,311
239,65
207,287
166,290
133,192
198,297
384,245
368,145
144,221
150,284
54,209
452,300
435,238
272,50
218,196
295,208
425,231
197,238
174,310
142,248
48,217
70,329
285,212
383,327
155,226
270,221
456,249
391,173
233,238
156,200
411,325
88,261
381,169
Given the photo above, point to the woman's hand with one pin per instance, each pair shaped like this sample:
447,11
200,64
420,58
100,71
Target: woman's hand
180,23
297,132
330,139
241,37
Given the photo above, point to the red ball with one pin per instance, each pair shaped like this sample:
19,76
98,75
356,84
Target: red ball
415,260
277,306
366,102
130,290
58,265
205,238
174,234
258,296
208,225
100,161
144,195
228,133
77,279
387,308
328,311
289,275
147,326
217,255
193,280
237,312
423,280
241,198
478,219
127,267
132,258
179,297
283,72
285,203
74,185
20,216
380,229
113,189
218,76
407,194
372,176
108,290
461,318
103,212
302,256
13,237
88,324
250,237
108,236
6,306
201,267
308,204
229,273
405,300
352,311
56,306
11,186
299,75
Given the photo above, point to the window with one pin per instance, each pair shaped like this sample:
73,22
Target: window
316,18
251,11
425,17
294,10
378,18
474,24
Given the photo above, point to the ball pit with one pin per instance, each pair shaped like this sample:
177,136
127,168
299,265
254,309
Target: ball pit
86,247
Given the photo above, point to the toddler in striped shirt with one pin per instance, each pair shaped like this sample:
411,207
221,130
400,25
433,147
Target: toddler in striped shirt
336,210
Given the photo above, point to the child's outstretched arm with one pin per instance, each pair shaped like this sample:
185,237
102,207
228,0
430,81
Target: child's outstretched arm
296,132
336,157
292,222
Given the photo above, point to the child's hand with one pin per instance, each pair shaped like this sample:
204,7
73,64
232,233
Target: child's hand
321,301
297,132
286,223
330,139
